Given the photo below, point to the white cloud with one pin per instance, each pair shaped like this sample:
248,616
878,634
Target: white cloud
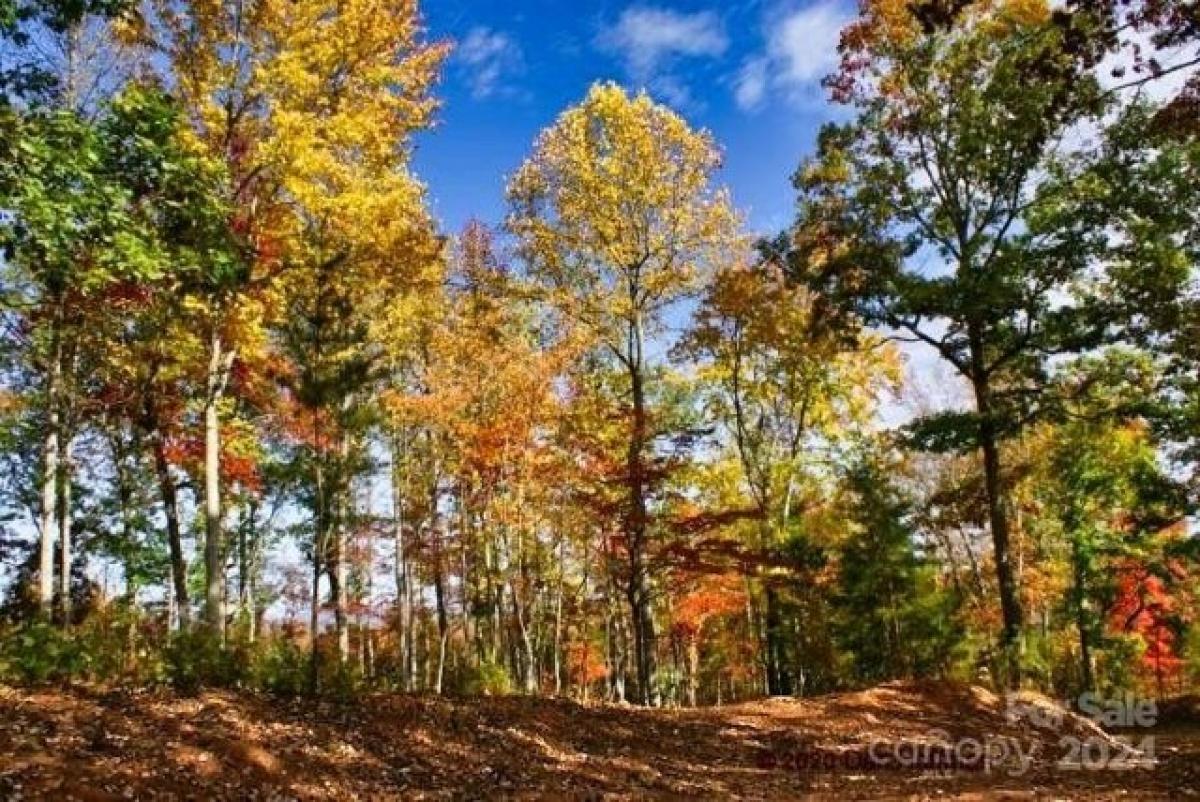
674,91
805,44
489,58
750,85
648,38
650,41
800,50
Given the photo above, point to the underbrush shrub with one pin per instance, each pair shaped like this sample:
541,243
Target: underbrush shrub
281,666
39,652
487,679
197,659
1041,660
119,646
1117,664
671,684
115,645
342,681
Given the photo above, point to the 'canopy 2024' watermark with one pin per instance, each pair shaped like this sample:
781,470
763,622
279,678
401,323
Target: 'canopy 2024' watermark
1132,748
1082,744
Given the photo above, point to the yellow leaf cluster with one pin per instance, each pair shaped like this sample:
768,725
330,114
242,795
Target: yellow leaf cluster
616,210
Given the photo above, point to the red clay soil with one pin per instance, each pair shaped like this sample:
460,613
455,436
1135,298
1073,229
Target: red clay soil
95,744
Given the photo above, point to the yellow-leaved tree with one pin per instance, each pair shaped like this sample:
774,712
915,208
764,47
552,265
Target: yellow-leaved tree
617,216
347,85
216,51
788,378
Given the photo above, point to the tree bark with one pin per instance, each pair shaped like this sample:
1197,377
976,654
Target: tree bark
247,558
219,364
693,668
1010,601
779,680
558,615
320,525
529,678
339,575
168,490
50,458
403,594
638,589
439,595
1087,673
63,491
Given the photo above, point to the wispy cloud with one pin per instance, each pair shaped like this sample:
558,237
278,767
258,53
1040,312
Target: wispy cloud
649,42
751,83
488,59
800,49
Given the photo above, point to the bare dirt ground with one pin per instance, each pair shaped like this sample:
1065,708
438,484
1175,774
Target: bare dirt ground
95,744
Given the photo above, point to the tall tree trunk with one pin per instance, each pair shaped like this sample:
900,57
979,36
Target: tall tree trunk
440,677
558,615
251,610
339,590
495,607
693,668
620,659
63,491
779,681
638,589
1082,625
124,493
320,524
1010,600
247,557
55,513
439,595
614,633
314,620
174,623
529,678
403,594
466,619
758,633
340,568
50,458
219,365
168,490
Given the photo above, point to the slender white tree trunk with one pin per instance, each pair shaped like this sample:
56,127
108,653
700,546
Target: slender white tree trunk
220,362
340,533
64,532
50,457
403,596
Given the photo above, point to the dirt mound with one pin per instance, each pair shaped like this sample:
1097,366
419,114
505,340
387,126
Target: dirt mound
929,725
90,743
904,709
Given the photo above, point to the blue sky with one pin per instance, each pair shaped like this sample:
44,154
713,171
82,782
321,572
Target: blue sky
747,71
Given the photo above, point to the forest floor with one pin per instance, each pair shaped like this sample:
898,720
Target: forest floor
96,744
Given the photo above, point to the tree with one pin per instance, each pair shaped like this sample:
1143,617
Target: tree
48,61
55,110
1173,30
76,232
616,215
1110,500
344,93
788,378
148,371
1148,207
942,210
217,53
894,618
